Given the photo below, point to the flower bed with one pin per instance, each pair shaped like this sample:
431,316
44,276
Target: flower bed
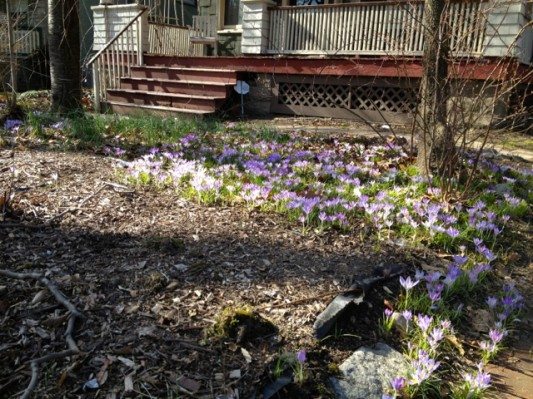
371,189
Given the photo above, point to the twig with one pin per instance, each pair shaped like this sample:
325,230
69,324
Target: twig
35,368
125,189
74,314
59,296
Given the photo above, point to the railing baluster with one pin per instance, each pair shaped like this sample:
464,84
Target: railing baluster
370,28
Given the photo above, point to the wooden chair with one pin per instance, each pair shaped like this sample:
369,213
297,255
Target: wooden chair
204,31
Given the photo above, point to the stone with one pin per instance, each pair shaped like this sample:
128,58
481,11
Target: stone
352,297
400,323
274,387
325,320
367,373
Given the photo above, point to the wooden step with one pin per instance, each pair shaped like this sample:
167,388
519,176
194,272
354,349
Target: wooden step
141,109
192,87
173,100
225,76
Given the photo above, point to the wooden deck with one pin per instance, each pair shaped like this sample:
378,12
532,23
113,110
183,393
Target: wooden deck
378,67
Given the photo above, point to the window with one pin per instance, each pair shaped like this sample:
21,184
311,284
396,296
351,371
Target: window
232,13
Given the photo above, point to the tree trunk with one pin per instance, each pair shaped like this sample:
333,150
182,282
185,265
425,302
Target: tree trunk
435,142
12,103
64,49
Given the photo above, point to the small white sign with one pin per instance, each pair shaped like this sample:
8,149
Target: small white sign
242,87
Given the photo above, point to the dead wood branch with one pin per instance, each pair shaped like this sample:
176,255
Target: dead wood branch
35,368
74,313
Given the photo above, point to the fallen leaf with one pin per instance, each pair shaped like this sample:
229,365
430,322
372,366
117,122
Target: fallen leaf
127,362
387,290
39,297
455,342
235,374
62,379
102,374
148,331
189,384
246,355
181,267
128,383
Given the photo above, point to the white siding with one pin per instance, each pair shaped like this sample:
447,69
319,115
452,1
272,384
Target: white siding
108,21
255,26
505,35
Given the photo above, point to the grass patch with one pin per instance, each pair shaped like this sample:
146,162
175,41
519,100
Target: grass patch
152,130
518,142
89,131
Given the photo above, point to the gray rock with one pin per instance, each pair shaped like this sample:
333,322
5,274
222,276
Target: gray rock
351,298
367,373
334,310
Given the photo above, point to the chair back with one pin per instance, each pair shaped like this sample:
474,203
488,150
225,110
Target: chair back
204,25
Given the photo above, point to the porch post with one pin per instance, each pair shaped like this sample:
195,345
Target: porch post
255,26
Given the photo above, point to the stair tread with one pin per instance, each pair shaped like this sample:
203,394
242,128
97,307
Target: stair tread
176,68
185,81
161,108
165,94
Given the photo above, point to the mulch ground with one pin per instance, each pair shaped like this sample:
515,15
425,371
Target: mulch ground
151,272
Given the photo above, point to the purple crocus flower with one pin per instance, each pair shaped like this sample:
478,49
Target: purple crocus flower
446,324
436,335
388,312
407,283
424,322
435,291
12,123
398,383
492,302
274,158
433,277
301,356
419,274
407,315
478,381
496,335
423,367
487,346
482,380
453,274
452,232
460,260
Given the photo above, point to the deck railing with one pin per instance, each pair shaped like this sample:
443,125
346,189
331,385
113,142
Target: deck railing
371,28
167,12
173,40
25,41
116,58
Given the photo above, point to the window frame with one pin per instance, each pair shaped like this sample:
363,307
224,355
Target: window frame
221,16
